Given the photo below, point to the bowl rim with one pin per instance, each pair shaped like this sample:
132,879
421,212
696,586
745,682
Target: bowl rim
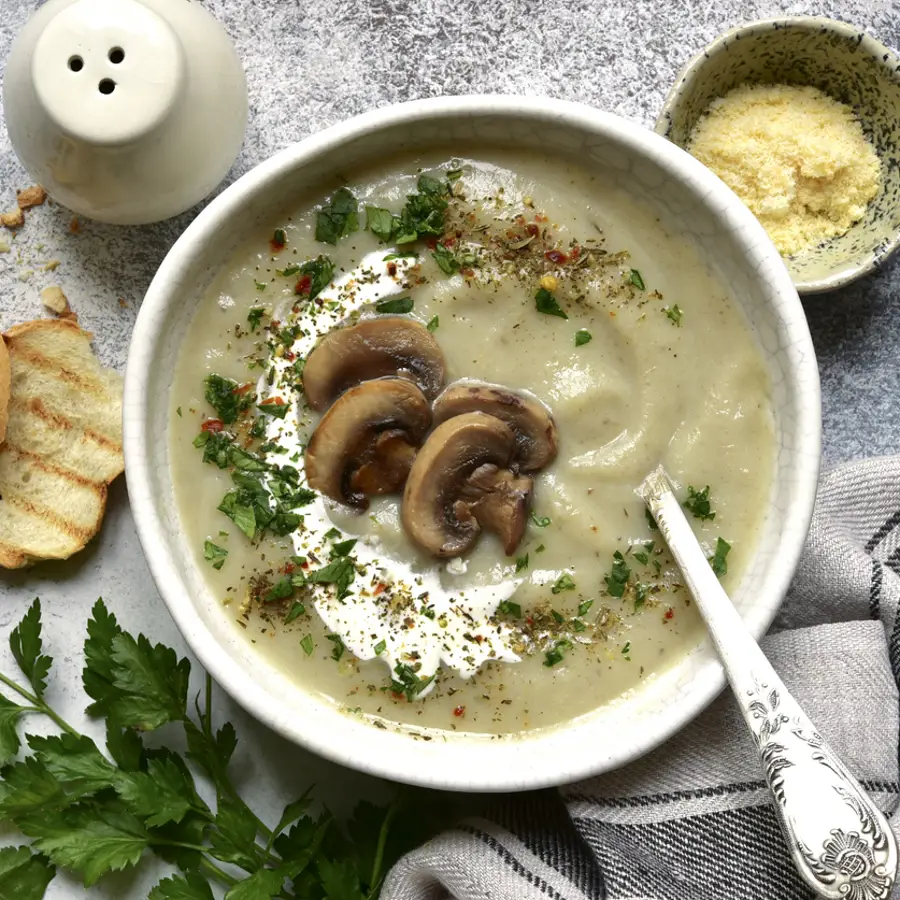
458,764
883,56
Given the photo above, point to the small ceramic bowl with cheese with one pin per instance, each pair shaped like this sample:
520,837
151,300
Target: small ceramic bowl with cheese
798,116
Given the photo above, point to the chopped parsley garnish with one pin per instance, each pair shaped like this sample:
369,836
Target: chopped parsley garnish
554,655
179,412
718,559
558,617
254,317
675,313
521,562
541,522
226,397
333,533
306,642
394,305
578,625
454,174
298,609
340,572
288,270
400,254
281,590
260,285
651,522
640,595
643,555
274,406
582,337
433,324
338,218
242,514
214,554
509,608
319,271
626,650
338,650
408,682
546,303
381,223
343,548
584,607
279,239
540,548
634,277
617,579
446,259
380,647
697,503
565,582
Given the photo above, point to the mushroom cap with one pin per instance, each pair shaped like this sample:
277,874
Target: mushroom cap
366,441
373,348
530,420
459,483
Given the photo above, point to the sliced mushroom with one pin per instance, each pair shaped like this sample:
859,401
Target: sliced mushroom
374,348
366,442
529,419
460,482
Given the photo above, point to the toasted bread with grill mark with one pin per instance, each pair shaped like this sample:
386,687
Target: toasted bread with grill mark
4,389
63,442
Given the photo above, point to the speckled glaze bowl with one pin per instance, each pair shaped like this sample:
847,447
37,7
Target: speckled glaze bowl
844,63
688,199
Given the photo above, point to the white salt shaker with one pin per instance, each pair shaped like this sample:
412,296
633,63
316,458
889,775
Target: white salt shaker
125,111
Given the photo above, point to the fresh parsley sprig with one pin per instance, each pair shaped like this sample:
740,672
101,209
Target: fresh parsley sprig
92,813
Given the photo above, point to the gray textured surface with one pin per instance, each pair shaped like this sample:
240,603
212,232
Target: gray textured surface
310,65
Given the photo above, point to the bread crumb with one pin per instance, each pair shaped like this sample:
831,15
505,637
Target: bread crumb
75,225
25,274
796,157
14,219
54,299
123,303
4,246
32,196
51,265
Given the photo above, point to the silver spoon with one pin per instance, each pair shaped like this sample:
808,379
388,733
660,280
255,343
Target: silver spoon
842,845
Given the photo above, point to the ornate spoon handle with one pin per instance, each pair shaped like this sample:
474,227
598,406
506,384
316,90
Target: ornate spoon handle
841,843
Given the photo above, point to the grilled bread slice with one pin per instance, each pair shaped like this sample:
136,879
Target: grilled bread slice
4,389
63,442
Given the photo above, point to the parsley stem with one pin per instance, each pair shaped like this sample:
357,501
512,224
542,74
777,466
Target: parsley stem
212,869
382,842
38,705
207,718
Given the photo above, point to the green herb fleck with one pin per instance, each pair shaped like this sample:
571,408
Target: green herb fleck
380,647
718,559
433,324
697,503
675,313
640,595
260,285
179,412
445,258
521,562
558,617
380,222
320,271
584,607
254,317
509,608
337,650
554,655
226,397
578,625
279,239
215,554
281,590
340,572
565,582
306,642
401,254
540,548
394,305
583,337
546,303
617,579
296,610
634,277
541,522
338,218
408,682
626,650
643,555
274,406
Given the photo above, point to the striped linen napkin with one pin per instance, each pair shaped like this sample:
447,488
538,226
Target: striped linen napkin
692,820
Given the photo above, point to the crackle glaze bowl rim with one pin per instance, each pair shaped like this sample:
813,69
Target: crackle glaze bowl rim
616,734
882,55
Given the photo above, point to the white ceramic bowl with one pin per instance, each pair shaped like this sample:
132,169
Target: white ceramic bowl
683,192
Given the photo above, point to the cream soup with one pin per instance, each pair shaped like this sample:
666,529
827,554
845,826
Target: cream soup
531,273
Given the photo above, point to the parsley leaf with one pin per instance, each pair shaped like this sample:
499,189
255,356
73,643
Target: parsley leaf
618,577
582,337
433,324
546,303
23,876
160,795
340,572
98,673
584,607
226,397
634,277
540,521
338,218
9,736
215,554
74,761
698,503
408,682
306,642
554,655
254,317
509,608
643,555
274,406
337,650
445,258
565,582
394,305
191,886
320,272
674,313
26,645
718,559
240,513
380,647
380,222
521,562
296,610
279,591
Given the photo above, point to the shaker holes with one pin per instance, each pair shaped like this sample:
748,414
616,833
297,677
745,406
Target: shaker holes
107,86
76,63
116,55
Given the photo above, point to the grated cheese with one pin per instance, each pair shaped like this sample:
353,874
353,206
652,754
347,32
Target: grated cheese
797,158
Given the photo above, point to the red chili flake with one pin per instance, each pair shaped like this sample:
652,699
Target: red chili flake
532,230
304,565
529,620
479,638
274,401
409,622
242,389
392,269
670,614
379,589
539,218
277,242
431,243
459,712
213,426
289,355
288,568
575,252
556,256
449,241
304,285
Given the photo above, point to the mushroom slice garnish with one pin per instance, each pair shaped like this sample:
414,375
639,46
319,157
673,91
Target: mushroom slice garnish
373,348
366,442
530,420
460,482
